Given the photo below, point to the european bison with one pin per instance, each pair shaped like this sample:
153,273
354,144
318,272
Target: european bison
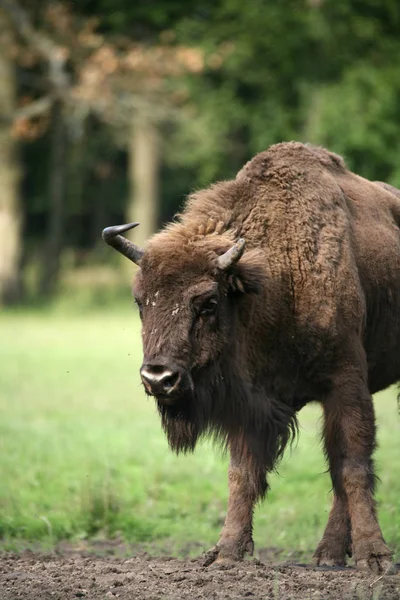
270,291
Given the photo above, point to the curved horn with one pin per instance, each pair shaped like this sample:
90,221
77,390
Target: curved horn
112,236
232,255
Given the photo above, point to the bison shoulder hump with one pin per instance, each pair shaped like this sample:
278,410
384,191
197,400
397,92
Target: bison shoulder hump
263,165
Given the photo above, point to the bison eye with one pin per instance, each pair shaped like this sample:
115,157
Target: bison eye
208,307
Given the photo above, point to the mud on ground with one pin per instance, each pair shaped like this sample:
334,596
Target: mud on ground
53,576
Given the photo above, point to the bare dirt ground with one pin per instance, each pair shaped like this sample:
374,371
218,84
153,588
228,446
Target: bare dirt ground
70,575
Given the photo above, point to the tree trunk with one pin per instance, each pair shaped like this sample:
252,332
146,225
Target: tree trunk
57,180
144,167
10,217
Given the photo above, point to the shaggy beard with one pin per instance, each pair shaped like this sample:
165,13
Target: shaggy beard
226,408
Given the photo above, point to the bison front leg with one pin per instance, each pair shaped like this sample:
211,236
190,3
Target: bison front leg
246,485
349,435
336,541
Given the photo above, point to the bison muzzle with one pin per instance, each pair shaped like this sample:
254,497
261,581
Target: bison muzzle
278,288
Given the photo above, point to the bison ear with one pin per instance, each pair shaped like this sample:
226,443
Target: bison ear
247,276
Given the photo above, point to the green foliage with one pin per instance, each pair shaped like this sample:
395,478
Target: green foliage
83,455
320,71
358,118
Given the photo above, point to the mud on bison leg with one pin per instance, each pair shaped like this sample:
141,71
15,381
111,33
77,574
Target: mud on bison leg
336,541
246,485
349,443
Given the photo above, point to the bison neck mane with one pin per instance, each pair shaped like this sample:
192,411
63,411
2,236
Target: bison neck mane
227,408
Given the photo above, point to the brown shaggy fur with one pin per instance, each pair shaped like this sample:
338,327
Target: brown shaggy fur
310,312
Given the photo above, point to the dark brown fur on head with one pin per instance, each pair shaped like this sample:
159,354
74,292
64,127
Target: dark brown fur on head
178,273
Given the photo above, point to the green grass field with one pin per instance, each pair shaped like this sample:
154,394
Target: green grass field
83,454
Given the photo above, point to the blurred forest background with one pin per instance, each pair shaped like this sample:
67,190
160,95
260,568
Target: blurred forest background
113,110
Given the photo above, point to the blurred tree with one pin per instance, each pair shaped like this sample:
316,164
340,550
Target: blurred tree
55,58
56,193
10,217
144,170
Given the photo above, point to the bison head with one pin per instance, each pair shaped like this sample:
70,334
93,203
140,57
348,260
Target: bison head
189,292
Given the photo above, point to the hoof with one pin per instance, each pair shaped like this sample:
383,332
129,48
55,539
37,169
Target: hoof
374,556
330,554
211,556
379,565
328,561
224,555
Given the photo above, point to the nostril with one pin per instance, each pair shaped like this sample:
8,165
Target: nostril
170,382
159,380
